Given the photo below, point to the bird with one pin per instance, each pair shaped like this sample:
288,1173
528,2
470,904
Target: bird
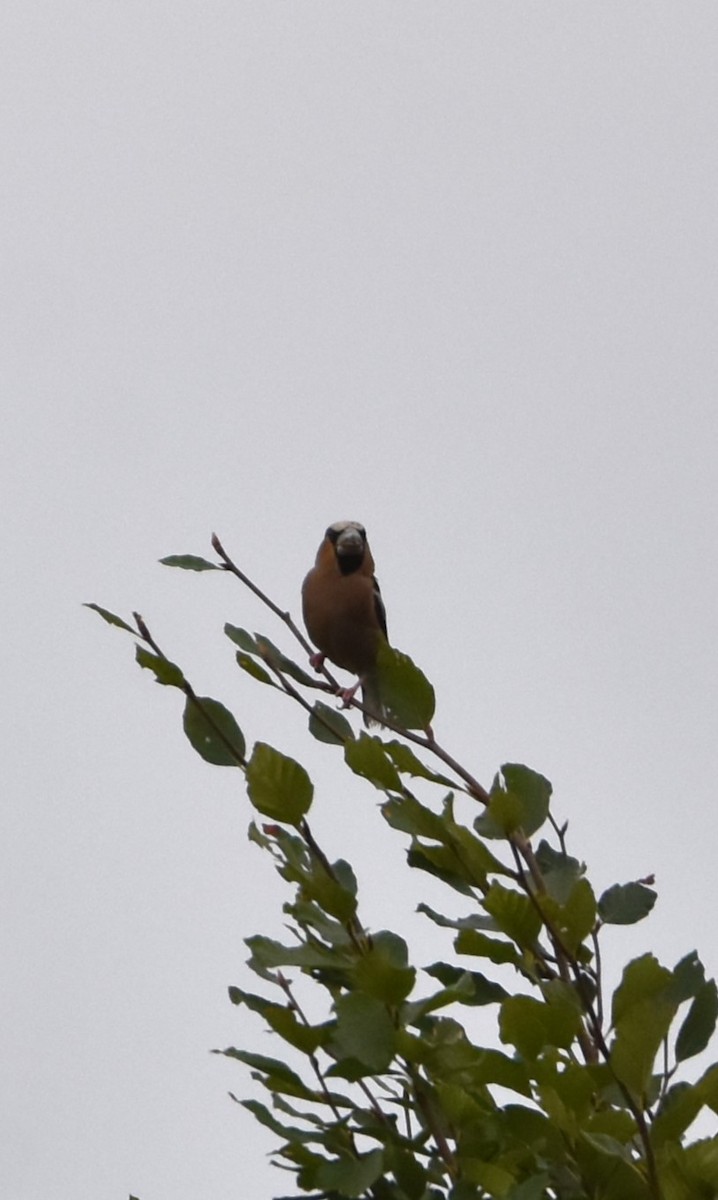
344,612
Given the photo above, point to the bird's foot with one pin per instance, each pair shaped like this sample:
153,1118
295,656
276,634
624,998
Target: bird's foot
316,661
346,695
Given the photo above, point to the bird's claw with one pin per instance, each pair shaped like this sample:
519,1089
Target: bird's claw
316,661
346,695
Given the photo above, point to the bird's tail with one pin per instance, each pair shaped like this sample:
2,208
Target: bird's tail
371,697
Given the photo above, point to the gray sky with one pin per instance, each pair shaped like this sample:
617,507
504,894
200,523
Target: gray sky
449,270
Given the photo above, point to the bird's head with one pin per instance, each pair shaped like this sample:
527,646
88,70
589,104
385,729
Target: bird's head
348,539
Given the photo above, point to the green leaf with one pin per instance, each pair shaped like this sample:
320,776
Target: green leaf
464,855
408,815
474,921
679,1109
328,725
253,668
514,914
475,988
700,1022
459,992
531,1189
405,690
708,1087
383,972
189,562
477,859
450,1057
335,895
267,954
272,655
626,903
350,1175
364,1032
278,1077
644,1005
165,672
407,762
261,1113
473,941
577,917
367,757
441,862
533,1025
110,617
282,1020
241,638
277,786
213,732
689,975
519,799
560,871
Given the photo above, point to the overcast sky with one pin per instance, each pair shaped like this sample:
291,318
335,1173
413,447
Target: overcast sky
446,269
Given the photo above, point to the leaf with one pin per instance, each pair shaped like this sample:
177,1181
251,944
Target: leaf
337,895
679,1109
213,732
531,1189
277,1075
277,786
271,654
165,672
407,762
465,854
708,1087
328,725
253,668
261,1113
367,757
643,1007
514,914
282,1020
700,1022
441,862
688,975
533,1025
364,1032
383,971
110,617
350,1176
410,816
473,941
241,638
560,871
451,1057
404,689
189,562
519,799
577,917
269,954
476,989
474,921
626,903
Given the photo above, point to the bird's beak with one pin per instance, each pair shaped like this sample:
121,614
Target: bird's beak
349,542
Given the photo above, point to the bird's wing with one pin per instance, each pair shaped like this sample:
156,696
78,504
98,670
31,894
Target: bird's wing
379,607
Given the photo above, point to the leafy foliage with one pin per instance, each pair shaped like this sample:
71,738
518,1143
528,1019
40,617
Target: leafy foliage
388,1093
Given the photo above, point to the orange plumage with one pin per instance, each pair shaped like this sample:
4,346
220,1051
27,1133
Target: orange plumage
343,609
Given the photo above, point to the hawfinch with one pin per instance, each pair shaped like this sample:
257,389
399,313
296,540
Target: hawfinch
343,610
